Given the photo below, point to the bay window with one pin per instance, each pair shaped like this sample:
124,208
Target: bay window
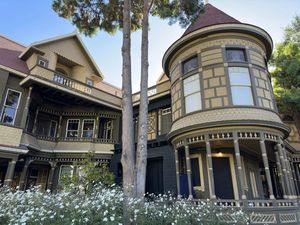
192,95
240,85
10,107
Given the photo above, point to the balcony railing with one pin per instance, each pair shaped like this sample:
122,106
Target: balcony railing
75,85
75,139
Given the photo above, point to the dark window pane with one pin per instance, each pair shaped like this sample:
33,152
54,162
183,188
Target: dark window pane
12,99
73,125
195,172
8,115
190,64
235,55
52,129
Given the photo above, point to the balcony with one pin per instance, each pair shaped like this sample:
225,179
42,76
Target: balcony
53,79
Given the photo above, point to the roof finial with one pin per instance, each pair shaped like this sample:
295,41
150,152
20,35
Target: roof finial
206,2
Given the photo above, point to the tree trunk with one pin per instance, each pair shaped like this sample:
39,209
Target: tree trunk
141,157
128,151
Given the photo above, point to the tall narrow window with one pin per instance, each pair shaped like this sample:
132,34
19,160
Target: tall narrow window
73,128
10,107
52,128
88,128
240,86
192,95
108,129
235,55
189,64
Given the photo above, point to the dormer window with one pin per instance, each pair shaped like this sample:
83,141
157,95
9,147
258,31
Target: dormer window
235,55
190,64
89,82
42,62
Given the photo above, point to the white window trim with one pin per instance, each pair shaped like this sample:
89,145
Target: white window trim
9,89
199,157
87,130
200,91
72,130
110,129
50,128
44,62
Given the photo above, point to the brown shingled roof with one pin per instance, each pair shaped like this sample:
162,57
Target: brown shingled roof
211,16
9,55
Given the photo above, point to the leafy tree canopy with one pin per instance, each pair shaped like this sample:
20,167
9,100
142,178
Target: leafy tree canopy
286,60
91,15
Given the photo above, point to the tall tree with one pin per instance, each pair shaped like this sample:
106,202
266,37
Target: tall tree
286,74
184,12
91,15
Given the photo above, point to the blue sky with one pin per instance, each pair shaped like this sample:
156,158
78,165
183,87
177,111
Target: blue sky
27,21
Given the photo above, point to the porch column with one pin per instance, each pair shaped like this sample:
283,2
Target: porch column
23,174
35,120
51,175
295,179
266,165
26,108
59,127
239,164
296,166
210,168
280,174
10,172
289,173
188,170
177,173
285,173
96,127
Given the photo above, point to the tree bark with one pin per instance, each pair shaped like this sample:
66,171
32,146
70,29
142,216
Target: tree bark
141,158
128,151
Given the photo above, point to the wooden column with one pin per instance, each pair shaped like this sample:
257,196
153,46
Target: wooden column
239,165
266,166
59,127
23,174
289,173
296,165
210,168
188,170
280,174
26,109
177,173
96,127
10,172
50,176
294,178
284,170
35,120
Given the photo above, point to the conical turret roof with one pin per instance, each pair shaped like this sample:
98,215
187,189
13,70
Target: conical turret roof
211,16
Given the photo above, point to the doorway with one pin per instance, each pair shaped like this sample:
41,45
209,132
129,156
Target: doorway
154,176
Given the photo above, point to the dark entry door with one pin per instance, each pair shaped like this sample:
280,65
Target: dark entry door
154,176
222,178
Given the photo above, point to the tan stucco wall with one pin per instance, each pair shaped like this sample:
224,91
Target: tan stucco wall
10,136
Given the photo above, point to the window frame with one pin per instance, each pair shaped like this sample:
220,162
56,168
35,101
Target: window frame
187,60
201,173
4,105
87,130
105,130
236,49
89,80
190,94
49,133
250,86
78,130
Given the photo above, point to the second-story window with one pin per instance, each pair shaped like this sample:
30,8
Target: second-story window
192,95
52,128
88,128
10,107
72,128
235,55
240,85
108,129
89,82
190,64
